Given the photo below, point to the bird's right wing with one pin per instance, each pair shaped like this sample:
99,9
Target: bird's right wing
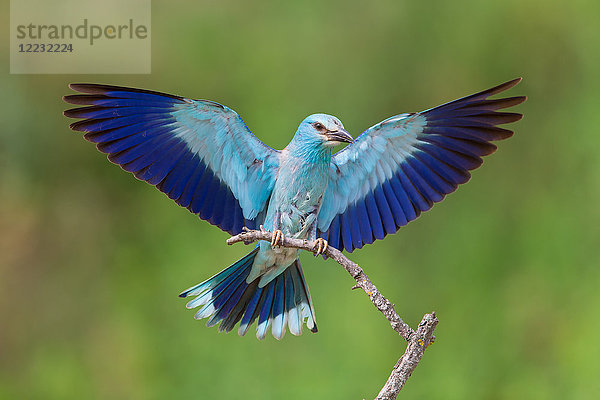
198,152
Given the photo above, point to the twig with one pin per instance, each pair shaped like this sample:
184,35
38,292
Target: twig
417,341
410,359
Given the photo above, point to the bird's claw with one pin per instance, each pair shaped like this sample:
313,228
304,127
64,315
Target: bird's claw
277,237
320,246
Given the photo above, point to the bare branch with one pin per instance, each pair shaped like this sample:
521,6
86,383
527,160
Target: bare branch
417,341
410,359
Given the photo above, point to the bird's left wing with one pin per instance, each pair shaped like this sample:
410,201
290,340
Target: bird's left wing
402,166
199,153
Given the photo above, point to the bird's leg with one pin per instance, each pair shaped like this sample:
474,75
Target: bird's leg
277,234
320,243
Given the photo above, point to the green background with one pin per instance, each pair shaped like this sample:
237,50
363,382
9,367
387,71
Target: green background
91,260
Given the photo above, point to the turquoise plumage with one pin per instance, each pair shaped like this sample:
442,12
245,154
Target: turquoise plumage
202,155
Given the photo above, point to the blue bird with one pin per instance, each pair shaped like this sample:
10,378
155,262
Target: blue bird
202,155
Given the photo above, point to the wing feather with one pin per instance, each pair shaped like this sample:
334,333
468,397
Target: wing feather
401,166
198,152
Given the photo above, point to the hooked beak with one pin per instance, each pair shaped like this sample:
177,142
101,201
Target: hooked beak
339,136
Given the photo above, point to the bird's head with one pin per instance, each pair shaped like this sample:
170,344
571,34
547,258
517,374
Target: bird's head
323,129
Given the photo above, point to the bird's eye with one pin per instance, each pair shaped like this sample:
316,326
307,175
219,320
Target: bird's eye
319,126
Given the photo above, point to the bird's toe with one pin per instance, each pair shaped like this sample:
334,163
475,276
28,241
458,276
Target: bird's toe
320,246
277,237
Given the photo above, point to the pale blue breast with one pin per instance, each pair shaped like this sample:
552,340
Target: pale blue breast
297,196
295,201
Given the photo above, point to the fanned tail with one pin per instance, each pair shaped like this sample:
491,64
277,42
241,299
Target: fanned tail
227,299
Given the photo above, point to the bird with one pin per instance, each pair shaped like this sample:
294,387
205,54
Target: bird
202,155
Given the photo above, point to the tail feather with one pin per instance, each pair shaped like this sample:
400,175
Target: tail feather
218,278
238,311
293,316
307,308
218,293
264,318
251,310
222,302
227,298
278,309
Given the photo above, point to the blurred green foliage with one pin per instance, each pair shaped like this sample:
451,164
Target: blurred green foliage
91,260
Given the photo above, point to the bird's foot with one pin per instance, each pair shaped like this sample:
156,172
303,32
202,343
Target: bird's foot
320,246
277,237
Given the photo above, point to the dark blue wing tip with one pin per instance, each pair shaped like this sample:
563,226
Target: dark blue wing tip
101,89
506,102
83,99
509,84
499,88
93,94
481,97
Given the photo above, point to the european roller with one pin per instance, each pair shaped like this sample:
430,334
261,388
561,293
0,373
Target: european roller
203,156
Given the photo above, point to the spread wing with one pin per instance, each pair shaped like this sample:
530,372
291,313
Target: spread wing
402,166
198,152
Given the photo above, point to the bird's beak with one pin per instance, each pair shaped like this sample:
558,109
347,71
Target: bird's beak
339,136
